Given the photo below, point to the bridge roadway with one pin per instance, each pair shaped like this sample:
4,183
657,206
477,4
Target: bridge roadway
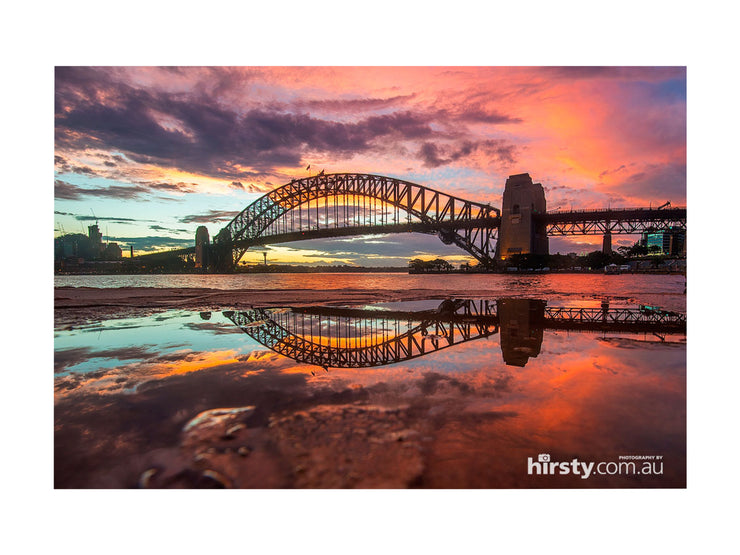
576,222
613,220
320,233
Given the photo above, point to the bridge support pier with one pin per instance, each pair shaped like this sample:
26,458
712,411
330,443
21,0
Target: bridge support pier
606,246
220,259
520,231
202,246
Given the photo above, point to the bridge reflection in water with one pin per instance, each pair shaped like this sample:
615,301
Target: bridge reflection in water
332,337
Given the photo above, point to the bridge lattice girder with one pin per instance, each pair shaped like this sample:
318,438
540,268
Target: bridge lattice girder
616,221
470,225
307,337
360,338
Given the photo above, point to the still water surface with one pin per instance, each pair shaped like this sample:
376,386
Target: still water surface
280,399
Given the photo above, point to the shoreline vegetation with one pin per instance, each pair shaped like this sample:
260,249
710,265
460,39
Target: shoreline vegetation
594,262
276,269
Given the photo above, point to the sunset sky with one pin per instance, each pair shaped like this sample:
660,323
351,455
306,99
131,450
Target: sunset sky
152,153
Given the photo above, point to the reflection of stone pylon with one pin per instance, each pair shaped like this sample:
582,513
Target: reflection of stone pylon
522,322
264,254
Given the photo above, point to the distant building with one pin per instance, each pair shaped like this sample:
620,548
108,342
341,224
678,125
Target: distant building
671,242
112,252
96,240
202,241
85,247
74,245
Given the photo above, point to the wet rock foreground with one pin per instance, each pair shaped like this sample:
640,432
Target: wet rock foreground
327,446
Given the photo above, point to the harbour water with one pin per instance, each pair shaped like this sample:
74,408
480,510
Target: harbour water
662,290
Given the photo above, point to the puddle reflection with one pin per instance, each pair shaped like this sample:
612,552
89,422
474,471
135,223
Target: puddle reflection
365,337
456,393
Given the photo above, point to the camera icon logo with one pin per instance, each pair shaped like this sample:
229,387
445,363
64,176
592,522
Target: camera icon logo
543,457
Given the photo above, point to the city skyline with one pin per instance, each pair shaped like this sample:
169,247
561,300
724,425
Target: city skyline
153,153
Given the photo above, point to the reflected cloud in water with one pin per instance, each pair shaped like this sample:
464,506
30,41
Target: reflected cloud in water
473,387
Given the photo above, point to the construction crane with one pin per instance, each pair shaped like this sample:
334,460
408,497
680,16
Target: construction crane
664,205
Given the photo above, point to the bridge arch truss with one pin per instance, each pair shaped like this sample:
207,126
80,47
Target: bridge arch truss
333,205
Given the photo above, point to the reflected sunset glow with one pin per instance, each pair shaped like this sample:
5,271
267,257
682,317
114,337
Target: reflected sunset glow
469,413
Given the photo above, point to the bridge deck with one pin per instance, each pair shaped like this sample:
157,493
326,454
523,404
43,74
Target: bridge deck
612,220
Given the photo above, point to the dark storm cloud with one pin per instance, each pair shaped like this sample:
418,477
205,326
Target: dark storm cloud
353,105
434,155
90,218
477,114
197,133
160,228
64,190
68,191
210,217
83,170
64,166
403,125
431,155
85,218
179,187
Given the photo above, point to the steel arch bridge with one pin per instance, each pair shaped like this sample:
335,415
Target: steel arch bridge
341,204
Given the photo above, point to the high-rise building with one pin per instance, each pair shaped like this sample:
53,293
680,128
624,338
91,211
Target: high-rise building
202,240
112,252
671,242
96,239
